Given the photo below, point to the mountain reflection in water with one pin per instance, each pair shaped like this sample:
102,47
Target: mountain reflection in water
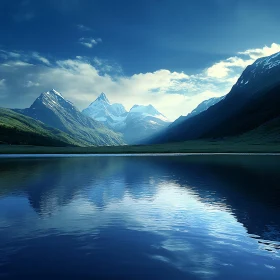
199,217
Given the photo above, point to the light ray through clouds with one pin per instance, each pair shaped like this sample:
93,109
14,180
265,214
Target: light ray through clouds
25,75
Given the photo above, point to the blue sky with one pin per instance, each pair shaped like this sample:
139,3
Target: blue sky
173,54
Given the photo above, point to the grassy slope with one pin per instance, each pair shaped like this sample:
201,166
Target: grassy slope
268,132
229,146
19,129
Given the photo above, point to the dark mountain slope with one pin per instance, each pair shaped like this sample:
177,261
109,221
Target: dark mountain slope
253,100
21,130
266,133
203,106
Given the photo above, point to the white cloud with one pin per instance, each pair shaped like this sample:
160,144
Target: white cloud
106,66
224,68
83,27
40,58
24,57
90,42
4,54
265,51
13,54
17,63
31,84
82,79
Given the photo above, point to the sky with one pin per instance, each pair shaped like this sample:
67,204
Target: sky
172,54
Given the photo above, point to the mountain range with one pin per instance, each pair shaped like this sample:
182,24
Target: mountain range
136,124
252,102
249,110
54,110
203,106
101,124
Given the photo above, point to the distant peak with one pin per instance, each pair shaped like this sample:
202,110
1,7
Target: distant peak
53,91
103,97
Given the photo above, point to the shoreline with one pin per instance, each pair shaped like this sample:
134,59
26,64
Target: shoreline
182,148
22,155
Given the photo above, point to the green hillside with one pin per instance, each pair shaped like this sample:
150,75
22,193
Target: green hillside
18,129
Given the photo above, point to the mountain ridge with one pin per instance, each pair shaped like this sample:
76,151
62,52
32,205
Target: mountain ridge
139,122
54,110
18,129
258,83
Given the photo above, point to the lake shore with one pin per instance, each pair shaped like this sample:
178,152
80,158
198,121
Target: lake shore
184,147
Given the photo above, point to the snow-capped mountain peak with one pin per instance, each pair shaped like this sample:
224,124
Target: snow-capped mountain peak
262,72
53,91
269,61
103,98
51,94
102,110
147,110
141,121
52,99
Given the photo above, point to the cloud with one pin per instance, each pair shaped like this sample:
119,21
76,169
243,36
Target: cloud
41,58
10,54
31,84
90,42
2,82
105,66
224,68
83,27
81,79
266,51
16,63
24,57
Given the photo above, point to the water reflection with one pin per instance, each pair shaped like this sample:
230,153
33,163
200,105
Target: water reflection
171,217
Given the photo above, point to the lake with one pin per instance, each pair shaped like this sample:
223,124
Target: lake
140,217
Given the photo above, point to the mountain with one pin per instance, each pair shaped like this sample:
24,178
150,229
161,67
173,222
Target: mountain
203,106
252,101
18,129
143,122
268,132
112,115
54,110
140,122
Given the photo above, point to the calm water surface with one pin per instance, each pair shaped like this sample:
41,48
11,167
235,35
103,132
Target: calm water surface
168,217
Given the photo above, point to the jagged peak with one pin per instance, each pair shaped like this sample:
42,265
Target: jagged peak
140,108
103,97
272,56
51,97
53,92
